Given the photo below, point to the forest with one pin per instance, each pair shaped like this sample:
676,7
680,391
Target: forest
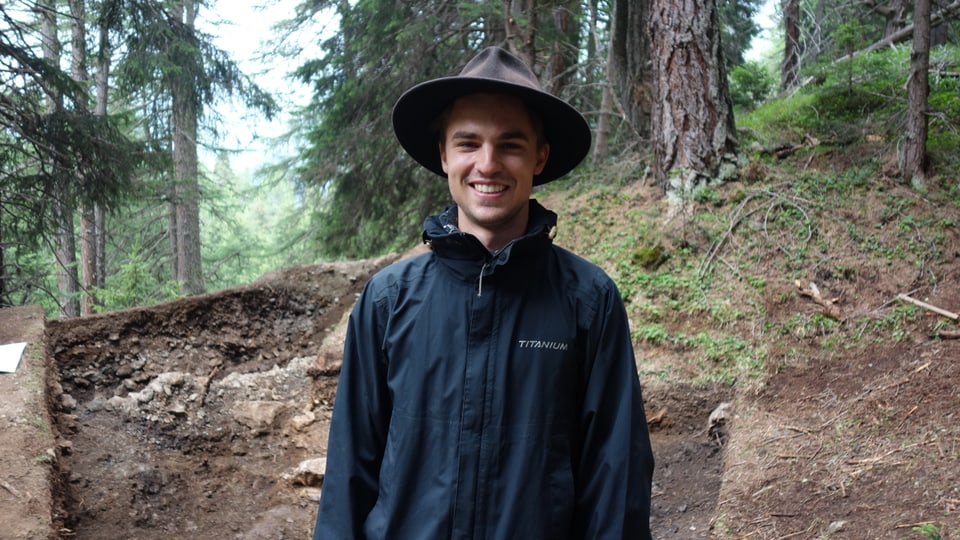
106,104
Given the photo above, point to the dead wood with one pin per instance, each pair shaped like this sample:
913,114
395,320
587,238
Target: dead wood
906,33
929,307
899,36
829,305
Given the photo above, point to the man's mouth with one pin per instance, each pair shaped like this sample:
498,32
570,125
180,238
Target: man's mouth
489,188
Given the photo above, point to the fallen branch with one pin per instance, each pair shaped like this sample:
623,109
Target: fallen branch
657,418
830,308
9,488
914,525
945,14
924,305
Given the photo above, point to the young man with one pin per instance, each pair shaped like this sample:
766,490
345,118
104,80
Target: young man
488,387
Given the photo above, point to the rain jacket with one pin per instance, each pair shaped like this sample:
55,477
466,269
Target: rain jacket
488,396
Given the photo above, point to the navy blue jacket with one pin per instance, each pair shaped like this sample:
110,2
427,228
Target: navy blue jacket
488,396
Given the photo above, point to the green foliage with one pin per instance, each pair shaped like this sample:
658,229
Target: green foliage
366,195
750,84
737,28
929,530
864,95
943,137
251,228
851,36
134,284
650,258
161,54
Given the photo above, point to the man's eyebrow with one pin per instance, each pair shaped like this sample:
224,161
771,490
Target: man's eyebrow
463,135
508,135
513,135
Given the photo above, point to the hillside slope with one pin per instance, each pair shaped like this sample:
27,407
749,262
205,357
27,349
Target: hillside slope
783,290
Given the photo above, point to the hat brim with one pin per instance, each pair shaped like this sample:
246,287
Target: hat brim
414,114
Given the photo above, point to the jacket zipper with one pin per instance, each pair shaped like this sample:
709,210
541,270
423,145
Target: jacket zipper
480,283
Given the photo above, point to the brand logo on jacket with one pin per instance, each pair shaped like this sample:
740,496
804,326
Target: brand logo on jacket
537,344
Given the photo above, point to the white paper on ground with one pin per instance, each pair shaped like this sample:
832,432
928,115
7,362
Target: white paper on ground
10,356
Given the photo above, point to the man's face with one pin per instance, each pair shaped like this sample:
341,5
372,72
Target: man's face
490,153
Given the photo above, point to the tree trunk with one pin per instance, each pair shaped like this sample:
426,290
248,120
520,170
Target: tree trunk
896,17
3,263
564,49
693,121
940,31
601,140
67,282
791,45
819,16
629,77
99,217
915,148
521,39
88,259
186,173
78,70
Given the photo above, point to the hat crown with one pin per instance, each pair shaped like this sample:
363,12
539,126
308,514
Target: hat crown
498,64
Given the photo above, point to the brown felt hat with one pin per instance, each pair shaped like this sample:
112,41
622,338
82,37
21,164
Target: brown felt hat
493,70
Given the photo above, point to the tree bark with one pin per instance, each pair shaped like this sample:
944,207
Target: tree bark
693,125
628,92
819,16
896,17
601,140
563,51
186,198
67,282
940,33
791,45
78,70
103,95
521,39
915,149
3,263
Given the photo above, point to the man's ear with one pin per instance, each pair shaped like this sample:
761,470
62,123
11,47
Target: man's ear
542,154
443,155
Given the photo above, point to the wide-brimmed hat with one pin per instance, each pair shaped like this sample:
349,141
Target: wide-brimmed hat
493,70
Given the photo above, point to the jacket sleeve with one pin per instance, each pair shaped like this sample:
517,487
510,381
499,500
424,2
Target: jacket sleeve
358,429
615,466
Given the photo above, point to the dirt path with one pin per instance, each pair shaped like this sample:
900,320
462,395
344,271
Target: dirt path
27,443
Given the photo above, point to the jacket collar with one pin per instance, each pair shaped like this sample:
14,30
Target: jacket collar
451,244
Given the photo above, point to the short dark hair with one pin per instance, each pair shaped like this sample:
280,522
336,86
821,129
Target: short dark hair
439,124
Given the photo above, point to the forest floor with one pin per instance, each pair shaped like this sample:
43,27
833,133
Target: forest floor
207,417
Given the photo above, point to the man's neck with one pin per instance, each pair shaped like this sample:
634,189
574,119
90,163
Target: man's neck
494,240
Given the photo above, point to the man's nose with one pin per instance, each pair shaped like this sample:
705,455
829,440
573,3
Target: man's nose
488,160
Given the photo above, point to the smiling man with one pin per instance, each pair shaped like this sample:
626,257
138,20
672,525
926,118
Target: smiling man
490,153
489,388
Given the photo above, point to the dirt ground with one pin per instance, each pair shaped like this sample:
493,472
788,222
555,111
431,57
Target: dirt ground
26,440
207,417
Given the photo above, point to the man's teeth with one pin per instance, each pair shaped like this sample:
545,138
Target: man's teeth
489,188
